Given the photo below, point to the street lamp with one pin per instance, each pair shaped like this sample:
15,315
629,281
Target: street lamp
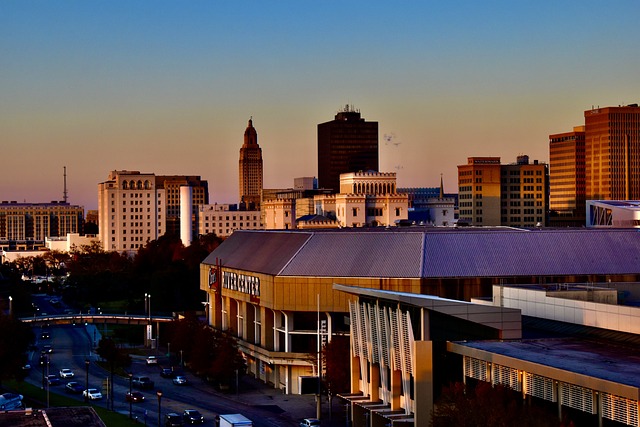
86,393
130,397
10,306
147,305
159,393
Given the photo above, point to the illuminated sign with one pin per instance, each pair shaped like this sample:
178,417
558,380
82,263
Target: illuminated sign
241,283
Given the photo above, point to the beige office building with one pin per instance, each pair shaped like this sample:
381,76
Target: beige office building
131,210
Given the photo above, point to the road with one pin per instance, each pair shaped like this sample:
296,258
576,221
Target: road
72,346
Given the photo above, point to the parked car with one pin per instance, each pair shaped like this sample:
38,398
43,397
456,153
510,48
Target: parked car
134,396
309,422
172,420
66,373
10,401
74,387
53,380
180,380
166,373
191,416
152,360
142,382
92,393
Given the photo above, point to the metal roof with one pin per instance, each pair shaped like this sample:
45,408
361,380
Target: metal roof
258,251
538,252
431,252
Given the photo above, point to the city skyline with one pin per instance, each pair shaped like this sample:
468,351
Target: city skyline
167,87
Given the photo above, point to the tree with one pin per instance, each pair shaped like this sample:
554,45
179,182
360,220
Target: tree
15,338
336,356
486,406
227,361
115,357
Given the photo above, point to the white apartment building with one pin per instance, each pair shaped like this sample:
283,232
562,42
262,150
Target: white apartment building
223,219
131,210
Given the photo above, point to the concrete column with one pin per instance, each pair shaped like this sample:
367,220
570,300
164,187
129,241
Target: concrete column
374,375
288,325
396,388
355,374
215,300
423,382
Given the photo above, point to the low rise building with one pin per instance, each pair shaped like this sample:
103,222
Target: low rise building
223,219
25,226
271,287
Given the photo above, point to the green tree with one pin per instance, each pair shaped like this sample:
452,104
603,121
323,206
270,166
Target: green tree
15,338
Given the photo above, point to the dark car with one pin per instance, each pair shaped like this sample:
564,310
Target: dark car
53,380
45,335
191,416
166,373
310,422
172,420
142,382
74,387
134,396
47,349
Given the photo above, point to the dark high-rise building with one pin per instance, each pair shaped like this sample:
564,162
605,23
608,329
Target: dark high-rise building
612,153
250,169
346,144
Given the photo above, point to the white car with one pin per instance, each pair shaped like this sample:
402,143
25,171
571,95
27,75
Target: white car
180,380
66,373
152,360
92,393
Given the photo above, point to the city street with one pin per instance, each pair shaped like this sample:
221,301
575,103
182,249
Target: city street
72,347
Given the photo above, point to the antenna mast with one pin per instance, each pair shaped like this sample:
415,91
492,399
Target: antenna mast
64,193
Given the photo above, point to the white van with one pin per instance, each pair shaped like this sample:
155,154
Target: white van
10,401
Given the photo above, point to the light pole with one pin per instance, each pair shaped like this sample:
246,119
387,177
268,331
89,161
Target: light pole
86,393
48,385
130,398
147,305
10,306
159,393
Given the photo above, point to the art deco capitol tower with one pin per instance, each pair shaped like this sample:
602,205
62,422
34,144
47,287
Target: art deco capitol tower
250,169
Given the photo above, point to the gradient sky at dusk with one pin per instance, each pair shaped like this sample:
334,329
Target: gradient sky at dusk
168,86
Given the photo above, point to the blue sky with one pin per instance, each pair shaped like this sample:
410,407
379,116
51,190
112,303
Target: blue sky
168,86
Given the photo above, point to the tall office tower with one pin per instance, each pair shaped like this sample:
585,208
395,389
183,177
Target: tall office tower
612,153
479,191
566,179
346,144
250,169
524,193
512,195
131,210
199,196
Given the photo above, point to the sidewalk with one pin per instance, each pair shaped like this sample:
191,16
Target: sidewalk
291,407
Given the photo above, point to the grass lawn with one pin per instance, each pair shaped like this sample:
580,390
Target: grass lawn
35,397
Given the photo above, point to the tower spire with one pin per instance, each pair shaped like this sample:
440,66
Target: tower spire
441,188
